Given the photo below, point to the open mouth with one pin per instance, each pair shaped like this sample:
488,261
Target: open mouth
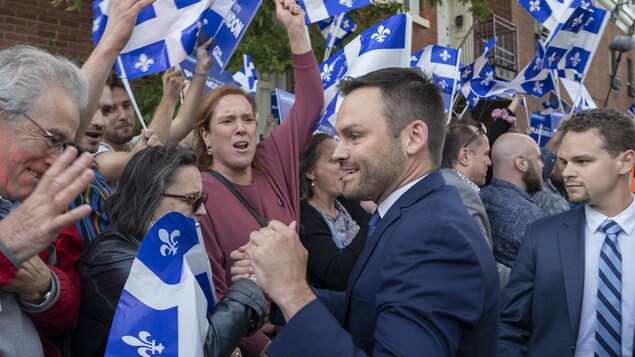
35,174
344,173
241,145
94,134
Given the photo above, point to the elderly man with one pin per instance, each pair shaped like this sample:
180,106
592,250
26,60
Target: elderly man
571,291
45,103
426,282
507,200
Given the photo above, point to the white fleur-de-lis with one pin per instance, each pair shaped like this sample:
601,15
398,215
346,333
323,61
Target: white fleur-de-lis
445,56
551,59
443,84
169,248
584,4
381,34
466,73
144,343
413,58
347,3
588,21
538,87
575,59
96,23
211,84
187,73
326,72
534,6
144,63
538,64
489,76
345,24
577,20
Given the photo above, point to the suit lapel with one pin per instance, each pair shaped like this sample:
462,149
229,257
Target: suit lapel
414,194
571,244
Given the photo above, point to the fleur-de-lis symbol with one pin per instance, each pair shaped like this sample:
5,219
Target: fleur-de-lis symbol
211,84
538,64
381,34
585,4
575,59
489,76
443,84
144,343
551,59
445,56
347,3
187,73
589,21
538,87
144,63
414,58
466,73
326,72
96,23
577,20
534,6
345,24
169,248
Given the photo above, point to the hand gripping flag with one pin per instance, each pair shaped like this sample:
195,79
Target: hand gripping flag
317,10
386,44
439,62
165,33
215,78
164,305
334,30
246,77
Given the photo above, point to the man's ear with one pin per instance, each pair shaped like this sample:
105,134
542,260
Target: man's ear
416,136
521,163
627,161
465,157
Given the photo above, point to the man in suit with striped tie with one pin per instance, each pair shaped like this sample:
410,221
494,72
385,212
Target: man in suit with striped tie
572,288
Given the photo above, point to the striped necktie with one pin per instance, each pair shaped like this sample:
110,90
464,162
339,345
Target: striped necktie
608,328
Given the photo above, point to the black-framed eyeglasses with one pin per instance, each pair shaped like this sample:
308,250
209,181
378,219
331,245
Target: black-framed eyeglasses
481,129
53,141
195,201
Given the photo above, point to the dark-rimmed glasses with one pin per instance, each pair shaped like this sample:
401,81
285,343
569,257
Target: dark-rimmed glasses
53,141
481,129
195,201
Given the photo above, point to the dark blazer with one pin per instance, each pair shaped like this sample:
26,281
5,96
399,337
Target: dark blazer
425,285
542,302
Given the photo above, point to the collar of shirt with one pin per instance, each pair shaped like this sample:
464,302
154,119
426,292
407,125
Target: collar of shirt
626,218
496,182
464,178
385,205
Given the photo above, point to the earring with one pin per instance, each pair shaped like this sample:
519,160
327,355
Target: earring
313,183
209,151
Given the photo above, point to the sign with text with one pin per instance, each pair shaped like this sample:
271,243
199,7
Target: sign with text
540,128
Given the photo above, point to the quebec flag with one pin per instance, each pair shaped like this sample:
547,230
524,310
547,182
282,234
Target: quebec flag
441,62
386,44
334,30
215,78
477,78
246,77
164,305
317,10
165,33
547,12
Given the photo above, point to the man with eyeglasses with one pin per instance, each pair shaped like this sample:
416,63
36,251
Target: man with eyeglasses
46,103
507,199
464,165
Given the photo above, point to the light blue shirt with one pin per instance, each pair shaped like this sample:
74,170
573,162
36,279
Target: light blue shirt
593,240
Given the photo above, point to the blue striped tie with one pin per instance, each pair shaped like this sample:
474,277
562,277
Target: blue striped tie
608,329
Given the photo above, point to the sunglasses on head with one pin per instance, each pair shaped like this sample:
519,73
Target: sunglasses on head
481,129
195,201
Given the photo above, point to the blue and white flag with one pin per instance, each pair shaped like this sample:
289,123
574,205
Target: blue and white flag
232,29
285,101
215,78
579,94
164,305
246,77
334,30
386,44
441,63
477,78
631,111
165,33
317,10
540,124
547,12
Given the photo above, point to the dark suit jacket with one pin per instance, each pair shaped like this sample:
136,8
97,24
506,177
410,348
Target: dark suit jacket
542,301
425,285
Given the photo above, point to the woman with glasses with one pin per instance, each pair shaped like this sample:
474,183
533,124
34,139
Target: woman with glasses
157,181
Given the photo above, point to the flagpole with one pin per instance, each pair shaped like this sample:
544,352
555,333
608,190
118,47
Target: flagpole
463,112
181,95
579,95
555,74
126,85
335,24
456,68
526,110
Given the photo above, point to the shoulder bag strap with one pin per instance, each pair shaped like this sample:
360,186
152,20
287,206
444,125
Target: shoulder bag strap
240,197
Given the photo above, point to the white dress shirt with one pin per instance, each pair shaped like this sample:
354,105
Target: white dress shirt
385,205
593,240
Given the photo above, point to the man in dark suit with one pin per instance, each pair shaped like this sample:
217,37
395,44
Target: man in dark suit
426,281
571,289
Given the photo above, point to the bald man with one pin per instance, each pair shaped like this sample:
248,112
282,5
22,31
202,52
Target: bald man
507,200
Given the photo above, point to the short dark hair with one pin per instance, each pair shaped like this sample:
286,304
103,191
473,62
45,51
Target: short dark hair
116,82
142,185
617,130
407,95
309,158
456,136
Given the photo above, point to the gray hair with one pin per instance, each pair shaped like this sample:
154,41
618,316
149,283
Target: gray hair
142,186
26,72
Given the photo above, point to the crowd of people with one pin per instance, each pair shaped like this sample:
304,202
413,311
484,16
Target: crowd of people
402,235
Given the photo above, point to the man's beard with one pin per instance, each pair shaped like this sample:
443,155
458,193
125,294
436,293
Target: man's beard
532,179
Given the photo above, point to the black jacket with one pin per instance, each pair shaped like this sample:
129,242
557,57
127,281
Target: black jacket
104,269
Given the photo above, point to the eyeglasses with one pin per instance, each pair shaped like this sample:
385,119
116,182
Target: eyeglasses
195,201
481,129
53,141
